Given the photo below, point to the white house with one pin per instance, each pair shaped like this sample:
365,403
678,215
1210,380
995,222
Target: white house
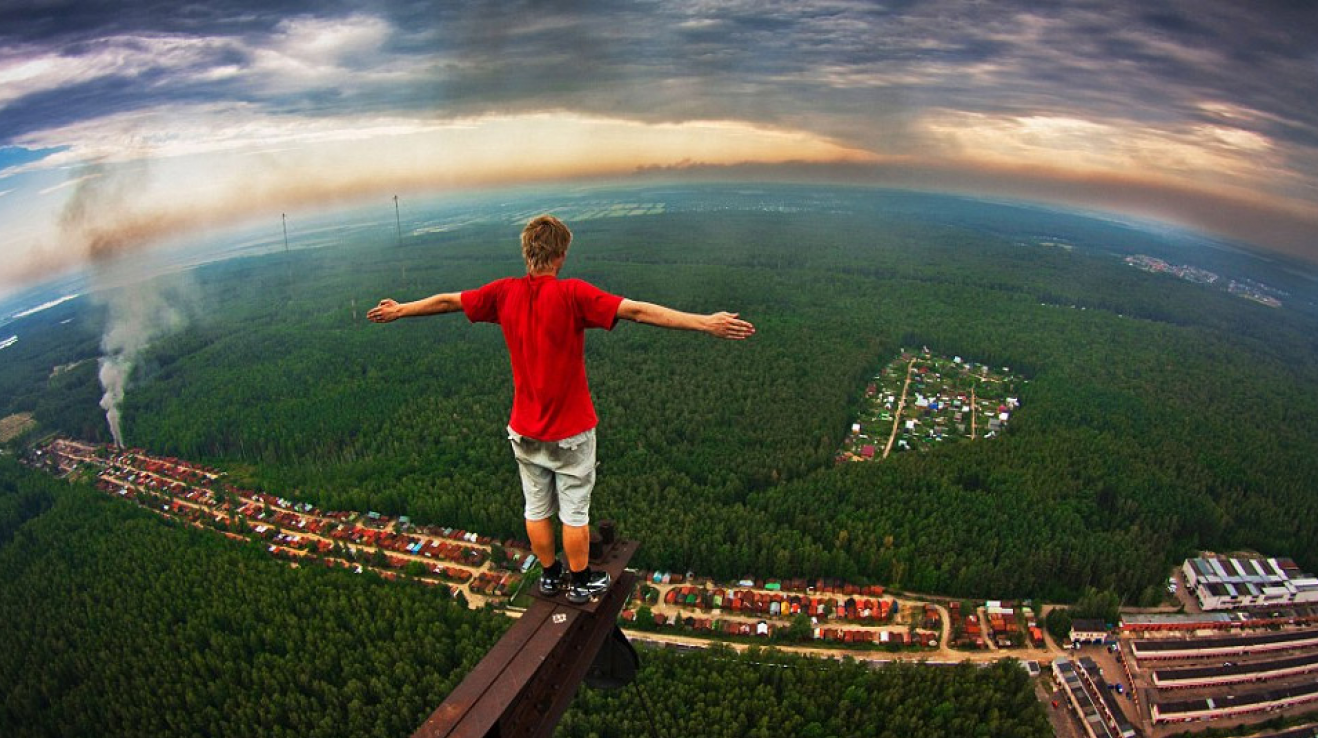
1088,631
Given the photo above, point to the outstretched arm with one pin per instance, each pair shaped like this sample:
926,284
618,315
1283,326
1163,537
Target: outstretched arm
390,310
723,325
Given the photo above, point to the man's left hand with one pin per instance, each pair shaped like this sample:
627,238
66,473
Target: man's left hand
730,326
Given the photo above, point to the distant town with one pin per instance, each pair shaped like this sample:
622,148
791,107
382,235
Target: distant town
1239,647
1246,288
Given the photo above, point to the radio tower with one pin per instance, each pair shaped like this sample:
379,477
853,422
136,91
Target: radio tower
398,221
288,265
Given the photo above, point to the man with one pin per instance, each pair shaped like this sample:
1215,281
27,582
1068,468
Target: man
552,428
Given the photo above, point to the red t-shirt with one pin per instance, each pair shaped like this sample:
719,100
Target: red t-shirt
544,319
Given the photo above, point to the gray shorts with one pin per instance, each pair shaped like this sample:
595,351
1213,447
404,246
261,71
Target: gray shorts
557,476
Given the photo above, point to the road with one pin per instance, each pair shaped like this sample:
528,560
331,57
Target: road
943,653
901,405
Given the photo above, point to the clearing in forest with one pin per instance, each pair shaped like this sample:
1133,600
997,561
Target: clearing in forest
920,400
15,425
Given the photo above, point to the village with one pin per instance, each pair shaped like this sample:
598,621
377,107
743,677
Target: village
1153,673
920,400
489,573
1246,288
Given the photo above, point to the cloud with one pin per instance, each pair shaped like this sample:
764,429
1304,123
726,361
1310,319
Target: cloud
28,70
1213,99
181,131
327,53
74,182
1224,158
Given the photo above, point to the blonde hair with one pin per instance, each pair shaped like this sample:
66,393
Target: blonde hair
544,239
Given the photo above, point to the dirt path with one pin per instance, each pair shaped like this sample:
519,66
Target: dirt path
974,412
679,611
940,655
901,405
907,604
946,635
989,639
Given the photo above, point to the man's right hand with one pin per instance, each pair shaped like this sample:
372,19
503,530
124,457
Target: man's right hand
386,312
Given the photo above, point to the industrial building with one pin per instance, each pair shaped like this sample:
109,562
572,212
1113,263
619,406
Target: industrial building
1090,697
1222,583
1225,646
1233,705
1234,673
1236,620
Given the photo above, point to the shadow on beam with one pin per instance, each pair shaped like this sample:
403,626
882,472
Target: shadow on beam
529,677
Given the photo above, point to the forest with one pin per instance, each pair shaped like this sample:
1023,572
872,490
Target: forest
1159,417
120,622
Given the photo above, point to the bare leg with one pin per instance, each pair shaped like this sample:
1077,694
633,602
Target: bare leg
541,533
576,545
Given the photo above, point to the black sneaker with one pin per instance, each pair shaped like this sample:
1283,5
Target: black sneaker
551,581
592,585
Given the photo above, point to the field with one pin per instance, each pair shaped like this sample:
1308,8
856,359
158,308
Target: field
15,425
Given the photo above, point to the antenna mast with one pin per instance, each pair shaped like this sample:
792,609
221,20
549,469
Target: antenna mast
399,221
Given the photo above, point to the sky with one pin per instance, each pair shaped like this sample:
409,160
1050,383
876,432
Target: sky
126,124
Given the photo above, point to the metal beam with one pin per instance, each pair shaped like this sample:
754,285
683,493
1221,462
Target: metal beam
527,680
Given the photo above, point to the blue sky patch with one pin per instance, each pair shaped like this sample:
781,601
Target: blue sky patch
12,156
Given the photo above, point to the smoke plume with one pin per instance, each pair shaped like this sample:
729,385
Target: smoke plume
139,308
136,315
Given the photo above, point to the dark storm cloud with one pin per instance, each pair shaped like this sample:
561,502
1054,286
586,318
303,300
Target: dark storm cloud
1254,55
846,67
841,64
68,105
67,21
